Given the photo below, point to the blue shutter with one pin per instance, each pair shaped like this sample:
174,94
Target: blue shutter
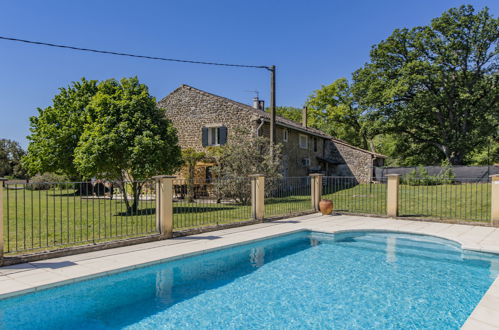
204,138
223,135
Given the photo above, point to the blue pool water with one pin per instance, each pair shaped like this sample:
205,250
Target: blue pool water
375,280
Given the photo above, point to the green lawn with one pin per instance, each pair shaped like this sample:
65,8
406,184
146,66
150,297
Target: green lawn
362,198
56,218
275,207
470,202
44,218
207,213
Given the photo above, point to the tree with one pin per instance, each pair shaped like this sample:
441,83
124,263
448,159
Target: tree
334,110
190,158
111,130
57,129
243,156
436,85
10,159
126,137
487,155
291,113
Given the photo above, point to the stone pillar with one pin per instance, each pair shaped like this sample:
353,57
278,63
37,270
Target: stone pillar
392,195
494,200
164,205
2,180
257,196
316,190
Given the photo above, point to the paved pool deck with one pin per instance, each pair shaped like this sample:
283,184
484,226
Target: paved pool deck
29,277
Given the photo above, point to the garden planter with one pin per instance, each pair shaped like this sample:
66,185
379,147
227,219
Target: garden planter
326,206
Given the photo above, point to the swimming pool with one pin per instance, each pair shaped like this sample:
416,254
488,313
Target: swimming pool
302,280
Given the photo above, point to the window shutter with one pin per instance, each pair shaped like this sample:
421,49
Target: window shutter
223,135
205,136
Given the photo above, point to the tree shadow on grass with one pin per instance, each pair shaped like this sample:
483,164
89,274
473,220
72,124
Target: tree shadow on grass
177,210
73,194
147,211
201,209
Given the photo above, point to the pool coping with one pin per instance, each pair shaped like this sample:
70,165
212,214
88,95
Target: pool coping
39,275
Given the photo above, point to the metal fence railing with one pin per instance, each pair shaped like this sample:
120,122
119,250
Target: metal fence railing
350,196
41,216
45,216
201,204
287,196
445,198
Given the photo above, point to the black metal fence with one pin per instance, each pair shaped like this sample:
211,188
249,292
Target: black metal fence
287,196
200,204
452,199
477,173
40,216
48,215
350,196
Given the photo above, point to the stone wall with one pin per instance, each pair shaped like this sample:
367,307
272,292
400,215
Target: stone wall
293,154
351,161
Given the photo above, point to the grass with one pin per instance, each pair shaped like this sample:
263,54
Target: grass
275,207
57,218
468,202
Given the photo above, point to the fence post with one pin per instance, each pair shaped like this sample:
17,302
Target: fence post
392,195
164,205
316,190
2,180
257,196
494,200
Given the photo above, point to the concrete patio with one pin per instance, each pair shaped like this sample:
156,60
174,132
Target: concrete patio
29,277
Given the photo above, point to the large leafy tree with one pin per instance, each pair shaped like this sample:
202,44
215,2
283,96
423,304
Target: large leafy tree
126,137
10,159
335,110
291,113
110,130
57,129
437,85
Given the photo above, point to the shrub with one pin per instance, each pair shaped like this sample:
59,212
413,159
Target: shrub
48,181
420,176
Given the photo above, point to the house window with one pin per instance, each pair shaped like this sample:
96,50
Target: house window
285,135
306,162
315,144
303,141
214,136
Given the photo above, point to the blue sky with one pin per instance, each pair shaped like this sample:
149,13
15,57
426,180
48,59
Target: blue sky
312,43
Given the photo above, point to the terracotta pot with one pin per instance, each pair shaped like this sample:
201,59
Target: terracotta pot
326,206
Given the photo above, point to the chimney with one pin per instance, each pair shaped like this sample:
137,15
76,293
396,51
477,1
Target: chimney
304,117
258,104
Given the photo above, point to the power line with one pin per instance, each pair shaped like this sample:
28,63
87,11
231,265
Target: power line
133,55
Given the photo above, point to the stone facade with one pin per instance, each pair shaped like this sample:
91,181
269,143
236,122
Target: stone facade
347,160
294,155
191,110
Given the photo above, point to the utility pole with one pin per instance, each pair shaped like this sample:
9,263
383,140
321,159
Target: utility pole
272,107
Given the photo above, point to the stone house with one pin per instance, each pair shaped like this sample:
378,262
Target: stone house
203,119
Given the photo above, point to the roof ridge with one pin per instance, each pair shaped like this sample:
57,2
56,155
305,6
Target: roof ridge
358,148
218,96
